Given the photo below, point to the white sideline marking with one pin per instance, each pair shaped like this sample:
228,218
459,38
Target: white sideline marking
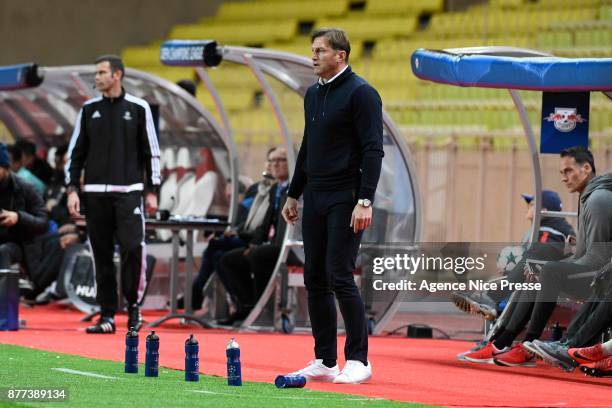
85,373
227,394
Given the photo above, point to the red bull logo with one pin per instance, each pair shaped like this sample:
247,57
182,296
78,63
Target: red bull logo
565,119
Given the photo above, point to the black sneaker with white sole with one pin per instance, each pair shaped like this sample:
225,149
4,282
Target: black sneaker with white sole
134,317
104,325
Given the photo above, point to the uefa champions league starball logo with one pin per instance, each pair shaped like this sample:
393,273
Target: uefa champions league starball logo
565,119
509,257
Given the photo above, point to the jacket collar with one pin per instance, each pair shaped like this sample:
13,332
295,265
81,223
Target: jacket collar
118,98
337,80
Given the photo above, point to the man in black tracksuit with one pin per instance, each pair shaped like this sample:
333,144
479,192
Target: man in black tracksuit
337,170
115,141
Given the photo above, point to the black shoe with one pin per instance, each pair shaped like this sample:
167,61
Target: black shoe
555,353
47,297
104,325
134,317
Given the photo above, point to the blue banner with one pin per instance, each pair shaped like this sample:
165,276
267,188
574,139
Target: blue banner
565,121
19,76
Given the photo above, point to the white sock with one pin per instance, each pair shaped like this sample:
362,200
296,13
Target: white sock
607,348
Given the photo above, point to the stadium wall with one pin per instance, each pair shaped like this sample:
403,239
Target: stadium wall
66,32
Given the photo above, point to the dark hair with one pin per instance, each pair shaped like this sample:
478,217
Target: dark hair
270,150
15,151
581,154
115,62
337,37
26,147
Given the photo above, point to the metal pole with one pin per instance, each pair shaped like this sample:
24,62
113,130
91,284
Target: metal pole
450,189
234,166
280,117
512,183
535,163
482,178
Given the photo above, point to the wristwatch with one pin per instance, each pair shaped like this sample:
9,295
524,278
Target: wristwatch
364,202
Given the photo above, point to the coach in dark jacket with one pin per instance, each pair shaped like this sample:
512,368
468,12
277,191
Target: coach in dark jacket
22,215
337,171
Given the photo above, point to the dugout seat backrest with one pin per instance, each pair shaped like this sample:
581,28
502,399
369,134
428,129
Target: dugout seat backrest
183,163
167,161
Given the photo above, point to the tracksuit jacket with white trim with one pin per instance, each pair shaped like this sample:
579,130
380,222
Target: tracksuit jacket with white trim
114,139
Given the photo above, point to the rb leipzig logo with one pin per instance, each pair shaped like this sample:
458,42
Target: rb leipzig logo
565,119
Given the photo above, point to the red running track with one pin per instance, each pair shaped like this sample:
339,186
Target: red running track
424,371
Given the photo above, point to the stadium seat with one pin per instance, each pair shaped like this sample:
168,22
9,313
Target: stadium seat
298,9
395,7
238,32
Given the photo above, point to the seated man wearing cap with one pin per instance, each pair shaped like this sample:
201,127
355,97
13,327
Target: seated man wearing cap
550,246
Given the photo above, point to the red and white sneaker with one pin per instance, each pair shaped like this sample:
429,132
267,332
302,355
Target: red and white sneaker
485,354
601,368
517,356
587,355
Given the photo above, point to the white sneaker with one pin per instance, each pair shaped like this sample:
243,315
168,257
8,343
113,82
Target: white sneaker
354,372
317,371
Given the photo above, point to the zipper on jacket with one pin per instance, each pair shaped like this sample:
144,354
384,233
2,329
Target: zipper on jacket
324,102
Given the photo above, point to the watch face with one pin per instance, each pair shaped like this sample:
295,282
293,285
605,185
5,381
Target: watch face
365,202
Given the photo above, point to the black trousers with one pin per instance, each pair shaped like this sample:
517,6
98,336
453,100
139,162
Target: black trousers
537,307
213,253
245,277
593,319
10,253
117,217
331,247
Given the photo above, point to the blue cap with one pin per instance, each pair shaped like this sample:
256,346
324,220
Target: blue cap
550,200
4,156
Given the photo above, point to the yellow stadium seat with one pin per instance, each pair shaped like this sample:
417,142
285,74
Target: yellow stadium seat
395,7
237,32
372,29
296,9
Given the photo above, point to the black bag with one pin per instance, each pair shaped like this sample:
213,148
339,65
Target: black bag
9,299
79,279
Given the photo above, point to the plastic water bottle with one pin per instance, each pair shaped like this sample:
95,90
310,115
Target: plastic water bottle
152,356
131,351
192,363
234,372
556,332
290,381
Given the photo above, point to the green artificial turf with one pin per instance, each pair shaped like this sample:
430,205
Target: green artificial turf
29,368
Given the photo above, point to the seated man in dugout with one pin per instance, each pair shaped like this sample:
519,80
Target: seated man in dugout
552,236
572,275
254,206
245,272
